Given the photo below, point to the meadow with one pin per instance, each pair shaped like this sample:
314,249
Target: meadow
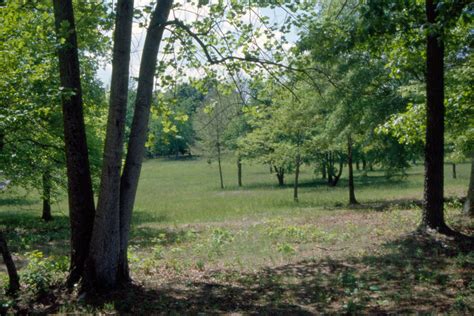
198,248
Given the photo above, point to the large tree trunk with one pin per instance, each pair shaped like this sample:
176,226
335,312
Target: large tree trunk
14,279
102,264
297,174
239,171
80,194
352,198
46,196
433,214
469,204
139,129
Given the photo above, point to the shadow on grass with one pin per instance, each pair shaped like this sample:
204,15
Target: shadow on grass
417,273
10,201
25,231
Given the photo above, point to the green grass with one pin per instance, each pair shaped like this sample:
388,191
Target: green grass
188,235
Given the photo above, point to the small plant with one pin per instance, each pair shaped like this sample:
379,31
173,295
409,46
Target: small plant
41,273
286,249
220,237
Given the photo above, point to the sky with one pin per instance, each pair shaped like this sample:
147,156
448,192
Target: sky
188,13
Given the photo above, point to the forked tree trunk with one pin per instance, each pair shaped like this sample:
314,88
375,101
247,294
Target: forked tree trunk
80,194
297,174
469,203
280,174
352,198
138,132
14,279
103,260
239,171
46,196
433,213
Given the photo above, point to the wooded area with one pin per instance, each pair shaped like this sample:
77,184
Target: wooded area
293,156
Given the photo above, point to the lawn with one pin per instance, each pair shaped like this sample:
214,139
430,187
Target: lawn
197,248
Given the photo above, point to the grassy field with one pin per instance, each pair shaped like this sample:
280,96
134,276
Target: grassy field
197,248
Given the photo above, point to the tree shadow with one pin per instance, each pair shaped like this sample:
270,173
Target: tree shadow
15,201
410,275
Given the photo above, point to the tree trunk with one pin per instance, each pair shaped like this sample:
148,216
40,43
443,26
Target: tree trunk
352,198
139,128
14,279
364,164
280,174
80,194
297,174
102,263
469,204
239,171
433,213
323,170
46,196
454,171
219,164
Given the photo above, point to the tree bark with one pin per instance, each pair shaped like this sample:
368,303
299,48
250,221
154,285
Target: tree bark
297,174
239,171
454,171
433,213
14,279
80,194
352,198
103,260
46,196
469,204
138,132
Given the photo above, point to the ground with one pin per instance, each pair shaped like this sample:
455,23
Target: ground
253,250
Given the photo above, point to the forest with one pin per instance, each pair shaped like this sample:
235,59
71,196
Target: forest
271,157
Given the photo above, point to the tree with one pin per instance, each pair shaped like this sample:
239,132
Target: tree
30,112
218,110
114,270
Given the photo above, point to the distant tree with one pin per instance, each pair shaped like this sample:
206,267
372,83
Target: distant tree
220,107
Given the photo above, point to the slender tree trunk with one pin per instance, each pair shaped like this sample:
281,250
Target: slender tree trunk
364,164
239,171
80,194
271,170
46,196
357,165
433,213
103,261
454,171
297,174
138,132
352,198
323,170
219,164
14,279
469,204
